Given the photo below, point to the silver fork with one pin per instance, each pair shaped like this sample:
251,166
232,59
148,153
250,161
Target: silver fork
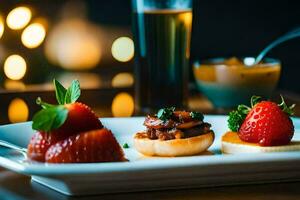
14,147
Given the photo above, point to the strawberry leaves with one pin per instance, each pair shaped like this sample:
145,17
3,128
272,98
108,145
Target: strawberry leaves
287,109
255,100
66,96
43,104
50,118
54,116
60,92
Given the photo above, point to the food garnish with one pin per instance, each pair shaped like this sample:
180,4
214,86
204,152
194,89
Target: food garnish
55,123
165,113
170,124
265,122
196,115
170,131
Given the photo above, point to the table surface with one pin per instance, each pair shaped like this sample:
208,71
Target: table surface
16,186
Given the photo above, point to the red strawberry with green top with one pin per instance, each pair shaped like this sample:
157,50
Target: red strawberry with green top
80,118
39,144
93,146
265,123
57,122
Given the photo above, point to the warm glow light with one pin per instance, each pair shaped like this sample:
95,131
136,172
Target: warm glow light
33,35
187,18
1,26
74,45
18,111
18,18
123,79
14,85
123,49
87,80
122,105
15,67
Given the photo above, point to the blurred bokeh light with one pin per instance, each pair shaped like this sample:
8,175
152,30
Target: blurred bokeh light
14,85
37,46
18,111
122,105
33,35
87,80
1,26
74,45
15,67
123,49
18,18
123,79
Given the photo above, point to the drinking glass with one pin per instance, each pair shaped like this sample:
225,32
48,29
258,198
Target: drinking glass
162,33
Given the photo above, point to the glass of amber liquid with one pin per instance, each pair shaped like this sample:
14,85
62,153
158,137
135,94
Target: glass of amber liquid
162,32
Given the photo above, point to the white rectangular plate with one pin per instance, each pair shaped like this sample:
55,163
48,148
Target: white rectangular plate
151,173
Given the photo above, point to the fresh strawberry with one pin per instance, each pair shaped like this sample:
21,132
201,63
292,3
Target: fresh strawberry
265,123
93,146
57,122
80,119
39,144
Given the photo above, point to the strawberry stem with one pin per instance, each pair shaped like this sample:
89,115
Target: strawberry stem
285,108
243,109
43,104
51,116
255,100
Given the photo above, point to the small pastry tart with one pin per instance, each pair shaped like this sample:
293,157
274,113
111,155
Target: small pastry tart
174,133
232,144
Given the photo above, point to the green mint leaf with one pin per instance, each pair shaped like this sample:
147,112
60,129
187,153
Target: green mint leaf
73,92
125,146
43,104
255,100
285,108
49,118
60,92
165,113
197,115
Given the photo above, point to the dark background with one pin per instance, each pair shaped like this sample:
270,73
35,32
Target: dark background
230,28
220,27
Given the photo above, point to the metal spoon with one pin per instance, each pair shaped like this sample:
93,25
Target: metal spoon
288,36
14,147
